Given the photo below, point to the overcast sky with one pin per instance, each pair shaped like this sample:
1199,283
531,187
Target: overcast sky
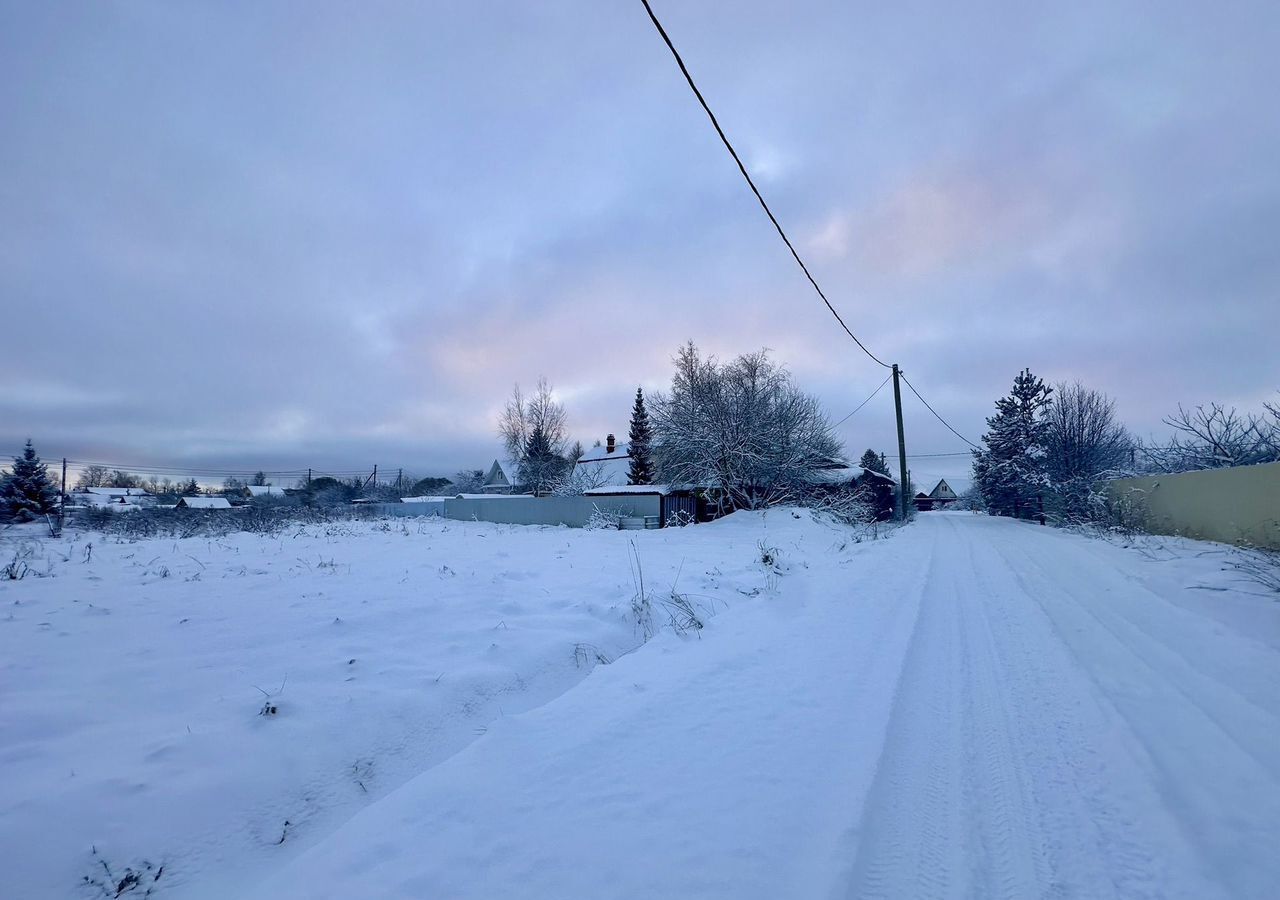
291,234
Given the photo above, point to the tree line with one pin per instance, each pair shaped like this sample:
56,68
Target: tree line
741,428
1049,450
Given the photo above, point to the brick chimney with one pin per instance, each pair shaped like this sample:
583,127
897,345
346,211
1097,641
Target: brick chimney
609,444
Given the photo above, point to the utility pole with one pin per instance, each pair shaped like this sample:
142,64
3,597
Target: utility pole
308,478
62,500
399,478
902,447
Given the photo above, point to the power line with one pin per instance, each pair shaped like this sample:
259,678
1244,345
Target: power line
938,417
863,403
743,169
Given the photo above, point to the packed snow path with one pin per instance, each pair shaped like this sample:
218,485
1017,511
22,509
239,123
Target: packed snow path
975,708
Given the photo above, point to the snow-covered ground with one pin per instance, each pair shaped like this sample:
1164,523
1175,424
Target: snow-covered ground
972,707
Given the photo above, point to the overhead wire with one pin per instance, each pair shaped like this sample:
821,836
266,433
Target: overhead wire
751,184
684,70
936,416
863,403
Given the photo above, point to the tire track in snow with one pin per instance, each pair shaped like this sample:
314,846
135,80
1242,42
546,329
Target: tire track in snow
1195,763
1084,789
948,813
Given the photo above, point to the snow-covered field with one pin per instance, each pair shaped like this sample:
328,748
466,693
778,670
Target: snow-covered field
971,707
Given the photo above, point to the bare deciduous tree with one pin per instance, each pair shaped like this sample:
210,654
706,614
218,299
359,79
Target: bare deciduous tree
742,426
533,435
1084,443
93,476
1215,437
468,481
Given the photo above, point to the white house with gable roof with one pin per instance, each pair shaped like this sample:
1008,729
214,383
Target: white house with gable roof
606,465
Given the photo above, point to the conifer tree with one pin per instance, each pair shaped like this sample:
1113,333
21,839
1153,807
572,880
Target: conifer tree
873,462
640,441
540,467
26,493
191,487
1009,472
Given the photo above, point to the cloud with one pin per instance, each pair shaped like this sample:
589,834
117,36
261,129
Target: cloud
250,235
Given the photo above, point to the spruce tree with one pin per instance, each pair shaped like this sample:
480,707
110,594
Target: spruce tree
541,466
873,462
26,492
639,446
191,487
1009,472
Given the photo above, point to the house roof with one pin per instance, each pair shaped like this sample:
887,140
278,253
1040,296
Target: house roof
942,490
115,492
620,451
604,469
205,502
616,489
839,472
499,468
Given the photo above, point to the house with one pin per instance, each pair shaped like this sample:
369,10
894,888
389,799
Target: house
115,498
940,497
603,466
942,493
500,479
835,474
199,502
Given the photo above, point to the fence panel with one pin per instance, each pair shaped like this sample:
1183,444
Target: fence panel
572,511
1238,506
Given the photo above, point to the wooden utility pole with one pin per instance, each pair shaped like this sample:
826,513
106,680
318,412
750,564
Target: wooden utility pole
902,448
308,478
62,500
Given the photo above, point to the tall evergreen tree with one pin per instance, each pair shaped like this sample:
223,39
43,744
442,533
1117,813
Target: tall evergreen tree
191,487
874,462
1009,472
26,493
640,442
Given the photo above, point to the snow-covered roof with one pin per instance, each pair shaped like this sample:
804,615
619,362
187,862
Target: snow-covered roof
620,451
500,474
942,491
115,492
600,468
627,489
425,499
488,496
205,503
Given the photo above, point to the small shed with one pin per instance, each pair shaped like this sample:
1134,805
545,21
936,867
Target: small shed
676,505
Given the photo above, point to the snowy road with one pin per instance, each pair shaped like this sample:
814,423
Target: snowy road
975,708
1061,729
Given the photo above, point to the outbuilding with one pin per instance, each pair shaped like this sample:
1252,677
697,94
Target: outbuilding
203,503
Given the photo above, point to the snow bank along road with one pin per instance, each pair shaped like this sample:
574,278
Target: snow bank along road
973,708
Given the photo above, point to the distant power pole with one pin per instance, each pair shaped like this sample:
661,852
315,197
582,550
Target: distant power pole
62,501
902,446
